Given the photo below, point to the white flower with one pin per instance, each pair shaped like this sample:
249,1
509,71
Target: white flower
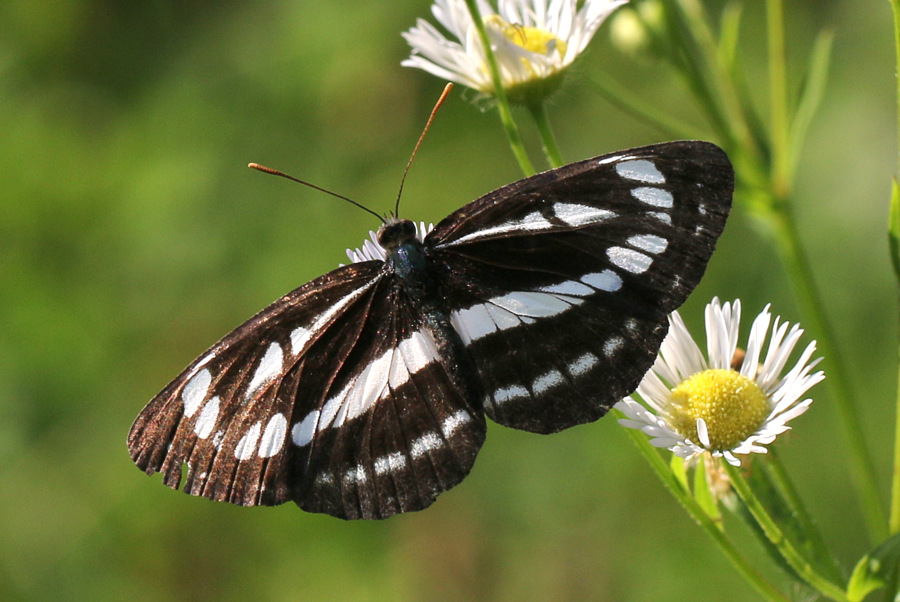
696,405
533,41
372,251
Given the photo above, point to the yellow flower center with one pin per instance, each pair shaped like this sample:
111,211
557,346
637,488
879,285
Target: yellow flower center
732,405
532,39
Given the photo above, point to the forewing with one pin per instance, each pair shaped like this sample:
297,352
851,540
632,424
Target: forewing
560,284
236,425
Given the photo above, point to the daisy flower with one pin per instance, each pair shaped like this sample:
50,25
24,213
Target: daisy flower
533,41
706,405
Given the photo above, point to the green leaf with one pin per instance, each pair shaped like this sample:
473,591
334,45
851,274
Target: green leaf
894,228
875,570
704,495
767,494
811,93
729,33
676,464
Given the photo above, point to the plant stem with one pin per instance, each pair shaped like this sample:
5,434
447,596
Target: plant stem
800,276
780,132
548,141
743,566
802,567
503,108
894,524
779,476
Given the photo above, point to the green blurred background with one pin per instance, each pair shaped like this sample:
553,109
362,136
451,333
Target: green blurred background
132,236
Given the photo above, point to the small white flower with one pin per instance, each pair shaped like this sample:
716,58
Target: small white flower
372,251
696,405
533,41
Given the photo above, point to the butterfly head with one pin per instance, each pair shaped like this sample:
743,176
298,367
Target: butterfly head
395,232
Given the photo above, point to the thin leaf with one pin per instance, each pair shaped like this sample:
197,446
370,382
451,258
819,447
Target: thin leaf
704,495
649,113
876,569
894,228
676,465
729,34
811,93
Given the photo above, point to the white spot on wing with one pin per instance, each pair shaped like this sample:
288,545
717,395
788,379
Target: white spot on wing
195,391
629,259
424,444
572,214
607,280
569,287
273,437
611,159
547,381
661,216
330,411
515,308
473,323
649,242
324,479
356,474
533,304
301,336
581,215
508,393
247,445
207,418
502,318
392,462
612,345
303,431
453,422
269,367
392,368
362,393
418,351
530,223
640,170
655,197
583,364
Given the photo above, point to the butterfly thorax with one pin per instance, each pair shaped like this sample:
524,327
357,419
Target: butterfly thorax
405,254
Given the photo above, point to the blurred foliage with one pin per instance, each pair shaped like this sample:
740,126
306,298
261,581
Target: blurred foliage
132,237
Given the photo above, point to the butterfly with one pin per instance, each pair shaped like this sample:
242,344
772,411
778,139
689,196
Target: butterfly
363,393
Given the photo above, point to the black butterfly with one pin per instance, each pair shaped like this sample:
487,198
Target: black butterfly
363,393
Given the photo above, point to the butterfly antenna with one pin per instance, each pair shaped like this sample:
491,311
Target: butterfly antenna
434,111
275,172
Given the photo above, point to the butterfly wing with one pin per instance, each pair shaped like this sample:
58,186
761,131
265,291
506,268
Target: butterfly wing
560,284
334,397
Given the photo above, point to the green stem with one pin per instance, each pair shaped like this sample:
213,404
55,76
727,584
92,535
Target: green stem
779,476
503,108
633,104
803,568
894,525
548,141
708,78
800,276
780,132
743,566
